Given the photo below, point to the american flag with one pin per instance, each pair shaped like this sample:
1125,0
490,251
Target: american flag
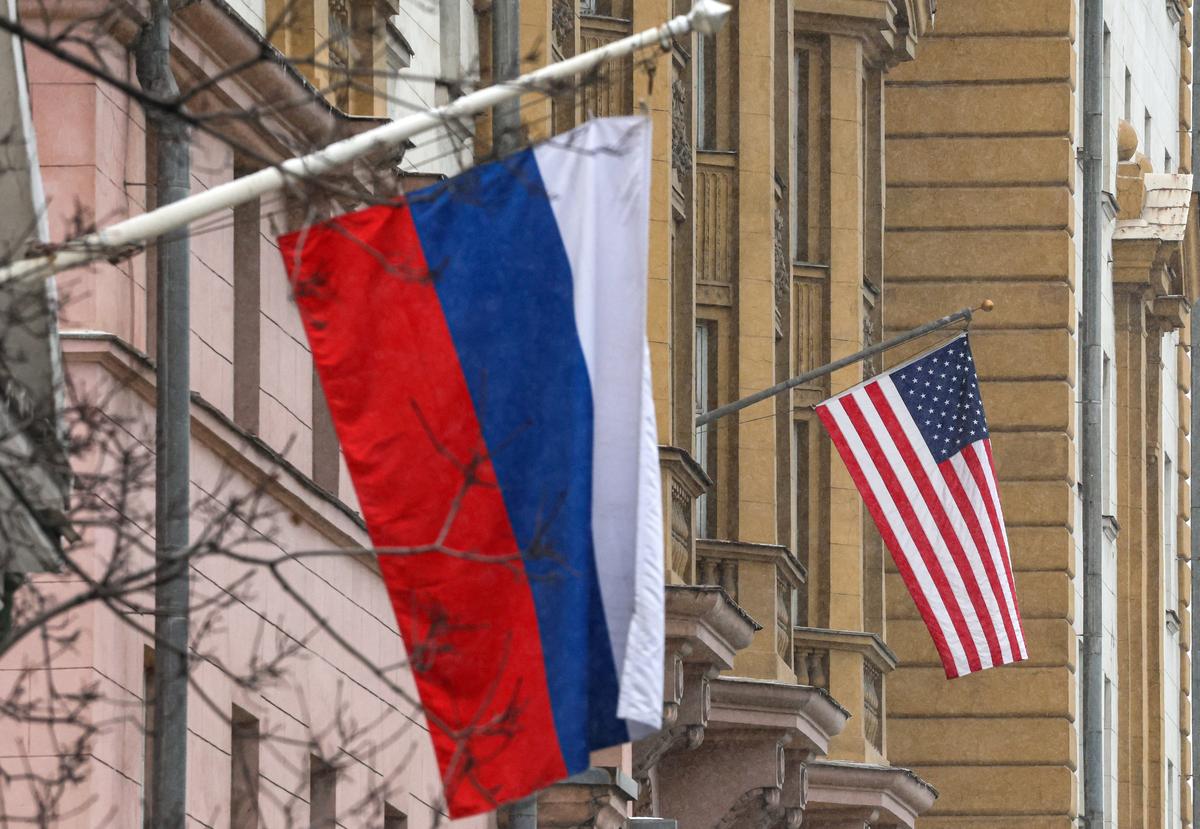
916,443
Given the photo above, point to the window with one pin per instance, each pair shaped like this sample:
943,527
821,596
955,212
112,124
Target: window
326,464
1171,794
322,794
1106,436
1108,139
340,42
1128,96
340,65
1147,123
1109,800
705,386
807,504
393,818
247,309
706,93
800,234
243,778
1079,656
1170,571
147,736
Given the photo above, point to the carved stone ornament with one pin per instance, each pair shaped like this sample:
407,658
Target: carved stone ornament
681,148
563,22
870,369
781,264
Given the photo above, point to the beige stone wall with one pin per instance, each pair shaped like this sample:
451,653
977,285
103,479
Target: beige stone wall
980,175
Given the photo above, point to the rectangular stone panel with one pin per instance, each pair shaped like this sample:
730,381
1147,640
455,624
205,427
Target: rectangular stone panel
1034,740
1023,355
1028,404
979,207
1011,789
1062,821
1019,306
1050,642
1000,692
993,254
1033,548
967,160
1037,503
1013,17
981,58
980,109
1033,456
1040,594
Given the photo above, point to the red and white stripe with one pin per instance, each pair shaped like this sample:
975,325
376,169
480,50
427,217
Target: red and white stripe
942,523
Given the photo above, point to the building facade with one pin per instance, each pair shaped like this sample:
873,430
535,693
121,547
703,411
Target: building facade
984,194
331,737
823,173
766,260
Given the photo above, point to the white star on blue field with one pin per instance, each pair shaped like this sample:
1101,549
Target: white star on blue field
941,392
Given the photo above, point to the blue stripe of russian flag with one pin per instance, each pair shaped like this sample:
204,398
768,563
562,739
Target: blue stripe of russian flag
505,311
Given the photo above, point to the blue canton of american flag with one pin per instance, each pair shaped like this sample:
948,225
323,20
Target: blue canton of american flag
916,442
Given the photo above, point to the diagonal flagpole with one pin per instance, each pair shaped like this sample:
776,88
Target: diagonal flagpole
705,17
849,360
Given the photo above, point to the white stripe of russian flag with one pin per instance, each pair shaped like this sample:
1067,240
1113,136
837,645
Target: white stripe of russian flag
596,178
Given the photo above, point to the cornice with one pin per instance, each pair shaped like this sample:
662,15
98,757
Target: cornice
740,704
712,623
870,645
889,29
209,38
683,459
246,453
840,786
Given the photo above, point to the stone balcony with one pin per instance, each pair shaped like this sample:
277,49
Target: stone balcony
851,665
750,770
864,796
683,482
763,579
705,629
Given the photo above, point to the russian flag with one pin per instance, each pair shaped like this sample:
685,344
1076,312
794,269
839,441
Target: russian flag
482,348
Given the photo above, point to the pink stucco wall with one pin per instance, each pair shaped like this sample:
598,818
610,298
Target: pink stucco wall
91,141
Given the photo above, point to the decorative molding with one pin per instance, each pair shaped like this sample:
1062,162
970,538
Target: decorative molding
681,147
808,326
611,95
870,645
243,452
783,619
873,705
708,618
715,207
562,20
782,270
684,481
884,795
722,572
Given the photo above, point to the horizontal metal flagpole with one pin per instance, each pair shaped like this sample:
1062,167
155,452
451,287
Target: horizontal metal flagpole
829,368
705,17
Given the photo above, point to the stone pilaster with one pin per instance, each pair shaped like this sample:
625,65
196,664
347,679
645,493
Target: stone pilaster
1135,426
755,306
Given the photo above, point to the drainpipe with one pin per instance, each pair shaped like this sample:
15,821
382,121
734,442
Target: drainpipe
1094,220
1194,472
168,792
